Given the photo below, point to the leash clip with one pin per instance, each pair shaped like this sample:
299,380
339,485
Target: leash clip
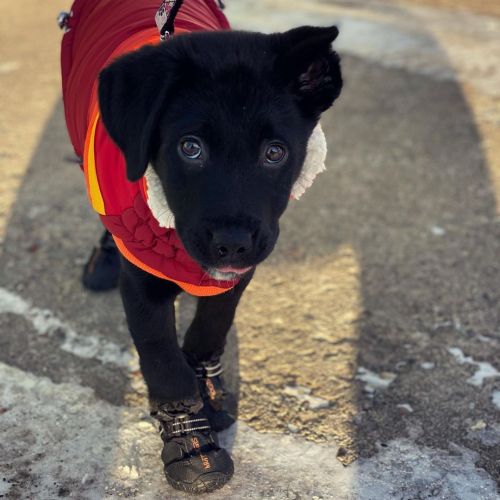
63,20
165,17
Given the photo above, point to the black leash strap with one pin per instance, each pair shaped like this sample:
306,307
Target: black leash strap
165,17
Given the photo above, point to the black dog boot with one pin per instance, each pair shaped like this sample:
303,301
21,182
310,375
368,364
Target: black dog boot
213,394
102,270
193,460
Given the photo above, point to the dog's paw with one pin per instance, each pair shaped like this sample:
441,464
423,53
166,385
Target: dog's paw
193,460
215,397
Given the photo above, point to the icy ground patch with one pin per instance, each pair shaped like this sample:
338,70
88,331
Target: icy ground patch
85,448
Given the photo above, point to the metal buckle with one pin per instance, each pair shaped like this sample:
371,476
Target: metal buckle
182,424
63,19
165,36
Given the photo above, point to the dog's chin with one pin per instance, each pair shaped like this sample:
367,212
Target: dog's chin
227,273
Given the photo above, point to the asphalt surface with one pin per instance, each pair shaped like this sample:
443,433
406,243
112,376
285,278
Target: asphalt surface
364,357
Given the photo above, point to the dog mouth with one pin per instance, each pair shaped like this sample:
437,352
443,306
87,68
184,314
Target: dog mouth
228,273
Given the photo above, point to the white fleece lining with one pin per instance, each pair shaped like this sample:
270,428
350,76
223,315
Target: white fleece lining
314,163
157,202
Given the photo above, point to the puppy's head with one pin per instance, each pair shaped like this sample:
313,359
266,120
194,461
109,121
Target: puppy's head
224,118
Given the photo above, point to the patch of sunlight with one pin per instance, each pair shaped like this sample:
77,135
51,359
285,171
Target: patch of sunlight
472,55
297,328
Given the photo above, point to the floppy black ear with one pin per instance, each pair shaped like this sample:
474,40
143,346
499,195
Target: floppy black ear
309,66
132,91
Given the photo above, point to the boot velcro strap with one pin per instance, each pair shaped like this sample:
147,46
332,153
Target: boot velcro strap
183,425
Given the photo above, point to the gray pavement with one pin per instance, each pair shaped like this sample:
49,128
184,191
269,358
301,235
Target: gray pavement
385,371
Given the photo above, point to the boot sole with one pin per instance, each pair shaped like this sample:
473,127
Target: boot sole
208,483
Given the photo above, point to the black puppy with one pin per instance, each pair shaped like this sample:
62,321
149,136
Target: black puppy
224,119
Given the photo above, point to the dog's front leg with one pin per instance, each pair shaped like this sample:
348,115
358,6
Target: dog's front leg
149,307
204,344
194,461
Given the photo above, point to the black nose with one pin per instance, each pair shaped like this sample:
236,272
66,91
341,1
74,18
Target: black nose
232,243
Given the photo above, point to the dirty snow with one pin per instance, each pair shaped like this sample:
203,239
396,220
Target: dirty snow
88,448
46,322
303,395
427,365
495,397
405,406
375,381
485,370
437,231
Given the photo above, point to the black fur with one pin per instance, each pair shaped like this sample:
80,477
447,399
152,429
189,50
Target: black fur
236,92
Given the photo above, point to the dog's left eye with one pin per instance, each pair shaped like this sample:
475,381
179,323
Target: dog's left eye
191,149
275,153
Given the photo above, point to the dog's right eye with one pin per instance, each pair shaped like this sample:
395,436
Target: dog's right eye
274,154
191,148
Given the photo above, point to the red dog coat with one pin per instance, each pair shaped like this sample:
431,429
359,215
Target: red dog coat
97,32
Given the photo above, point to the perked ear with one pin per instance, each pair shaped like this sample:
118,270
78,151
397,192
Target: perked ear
131,93
310,67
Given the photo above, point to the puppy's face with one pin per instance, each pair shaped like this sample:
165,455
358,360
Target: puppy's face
224,118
